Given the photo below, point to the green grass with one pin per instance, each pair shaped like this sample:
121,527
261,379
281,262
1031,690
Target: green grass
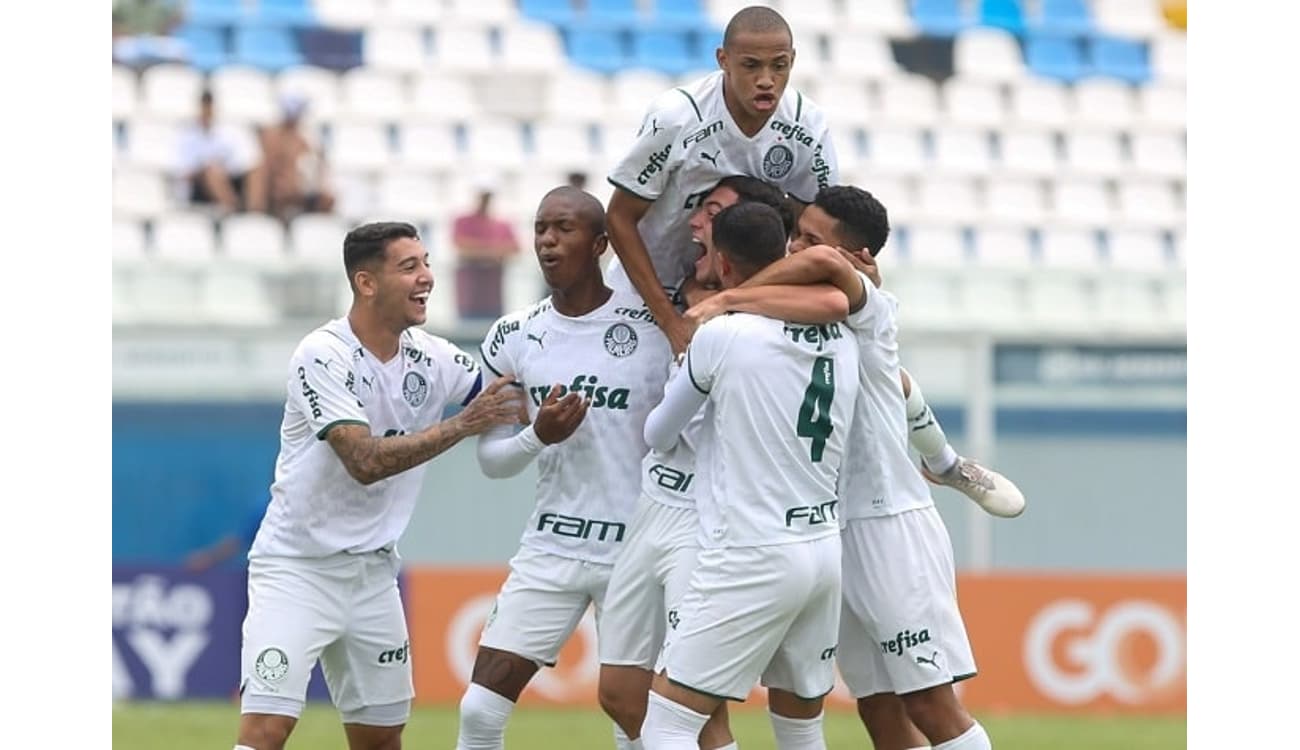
159,726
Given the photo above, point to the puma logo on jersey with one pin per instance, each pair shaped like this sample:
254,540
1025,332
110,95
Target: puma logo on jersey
932,661
713,157
325,363
601,396
538,339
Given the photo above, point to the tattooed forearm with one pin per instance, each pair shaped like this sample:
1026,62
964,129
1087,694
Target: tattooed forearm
369,458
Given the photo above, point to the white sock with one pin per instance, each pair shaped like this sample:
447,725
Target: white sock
974,738
733,746
483,716
244,747
925,434
622,742
798,734
670,725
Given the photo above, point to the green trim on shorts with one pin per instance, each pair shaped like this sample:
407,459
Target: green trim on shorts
321,435
960,677
703,692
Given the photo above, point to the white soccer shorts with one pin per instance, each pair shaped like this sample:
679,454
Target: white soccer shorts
344,610
751,613
901,629
650,577
542,602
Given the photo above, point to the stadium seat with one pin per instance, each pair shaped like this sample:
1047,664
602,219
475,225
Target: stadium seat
1074,249
1003,248
615,136
442,98
1123,59
942,18
1060,303
936,246
561,144
483,12
1019,203
532,47
495,143
1128,18
1178,247
598,49
359,146
217,12
663,50
849,144
319,86
352,14
634,89
256,240
1162,107
1129,302
184,239
845,102
1094,154
810,19
944,200
139,194
558,12
1103,103
154,144
925,299
1062,18
373,95
887,17
171,91
163,294
395,49
1081,203
964,152
1041,102
416,15
1001,14
463,49
411,196
895,193
316,240
857,55
269,48
205,46
1055,57
1137,250
1027,153
335,49
578,95
972,103
1149,203
612,13
243,95
986,54
125,92
909,99
285,12
429,146
1169,57
234,295
895,151
1160,155
685,14
129,242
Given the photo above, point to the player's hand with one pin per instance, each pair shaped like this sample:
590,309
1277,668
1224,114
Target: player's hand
677,331
497,404
558,418
864,263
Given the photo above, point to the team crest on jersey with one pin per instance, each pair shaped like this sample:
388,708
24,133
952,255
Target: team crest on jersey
778,161
272,664
620,340
414,388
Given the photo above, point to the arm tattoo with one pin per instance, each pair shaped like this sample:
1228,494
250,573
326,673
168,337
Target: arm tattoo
369,458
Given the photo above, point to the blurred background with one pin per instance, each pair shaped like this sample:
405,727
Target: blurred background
1031,153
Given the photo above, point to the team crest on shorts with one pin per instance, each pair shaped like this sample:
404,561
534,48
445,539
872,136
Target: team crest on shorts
272,664
620,340
414,388
777,162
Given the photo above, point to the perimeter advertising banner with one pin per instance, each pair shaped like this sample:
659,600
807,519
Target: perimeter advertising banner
1060,643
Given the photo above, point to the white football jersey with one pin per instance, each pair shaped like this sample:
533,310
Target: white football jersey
783,396
688,141
879,478
668,477
587,485
317,508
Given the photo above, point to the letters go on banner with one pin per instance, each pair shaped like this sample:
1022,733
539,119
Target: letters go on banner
1060,643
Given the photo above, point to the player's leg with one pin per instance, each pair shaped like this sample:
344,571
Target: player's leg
942,465
539,606
294,611
862,667
885,717
368,671
675,715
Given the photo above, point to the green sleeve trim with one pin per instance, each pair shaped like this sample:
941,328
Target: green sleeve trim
798,105
320,435
627,189
695,106
690,371
488,363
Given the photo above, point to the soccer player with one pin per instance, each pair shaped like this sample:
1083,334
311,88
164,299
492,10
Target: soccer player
593,364
366,395
764,598
654,566
738,120
902,640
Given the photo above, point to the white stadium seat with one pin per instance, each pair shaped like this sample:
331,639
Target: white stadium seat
1091,153
845,102
243,94
139,194
496,12
972,103
527,46
154,144
1015,202
953,201
254,239
347,14
374,95
1103,103
1028,153
496,143
1169,57
359,146
394,49
428,146
126,86
1128,18
413,13
1072,249
460,49
1163,107
887,17
962,151
560,144
411,196
1081,203
935,246
1040,102
171,91
909,99
579,95
163,294
1137,250
440,98
895,151
1144,203
128,242
1160,155
633,90
1006,248
988,54
856,55
184,238
316,240
234,295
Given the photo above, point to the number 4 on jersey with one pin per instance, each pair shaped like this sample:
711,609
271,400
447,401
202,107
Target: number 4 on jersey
815,414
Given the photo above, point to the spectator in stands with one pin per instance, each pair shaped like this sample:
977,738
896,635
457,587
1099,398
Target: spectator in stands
215,169
483,242
293,166
577,180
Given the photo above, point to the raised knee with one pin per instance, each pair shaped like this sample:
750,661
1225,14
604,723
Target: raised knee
621,706
264,733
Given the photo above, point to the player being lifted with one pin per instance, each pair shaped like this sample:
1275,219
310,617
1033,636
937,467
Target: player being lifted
764,597
738,120
593,364
902,642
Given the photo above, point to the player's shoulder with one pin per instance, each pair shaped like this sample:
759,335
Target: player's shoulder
628,306
432,350
508,327
686,105
334,338
798,108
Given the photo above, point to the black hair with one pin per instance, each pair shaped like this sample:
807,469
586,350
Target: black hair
755,19
750,235
752,189
589,206
368,243
861,221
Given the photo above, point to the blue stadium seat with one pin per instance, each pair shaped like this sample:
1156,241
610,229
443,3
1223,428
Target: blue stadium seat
1055,57
559,12
333,49
660,49
1066,17
596,48
215,12
1002,14
940,18
682,13
1124,59
705,46
206,46
286,12
264,47
613,12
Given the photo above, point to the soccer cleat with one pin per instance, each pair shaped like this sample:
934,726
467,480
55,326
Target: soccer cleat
993,492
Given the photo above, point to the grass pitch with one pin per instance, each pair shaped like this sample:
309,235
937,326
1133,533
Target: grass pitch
166,726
